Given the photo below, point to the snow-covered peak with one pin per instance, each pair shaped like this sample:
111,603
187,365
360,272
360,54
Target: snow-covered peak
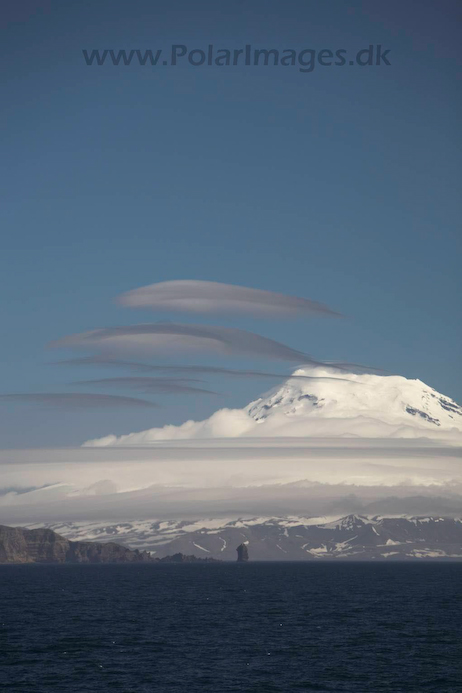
319,402
356,399
349,522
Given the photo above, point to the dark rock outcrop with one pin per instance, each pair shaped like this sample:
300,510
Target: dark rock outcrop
182,558
92,552
242,553
18,545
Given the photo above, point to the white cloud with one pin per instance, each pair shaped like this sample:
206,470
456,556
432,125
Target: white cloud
168,338
75,400
251,475
195,296
166,386
135,366
296,449
224,423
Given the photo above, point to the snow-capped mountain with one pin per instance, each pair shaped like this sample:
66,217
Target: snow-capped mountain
357,537
366,402
325,402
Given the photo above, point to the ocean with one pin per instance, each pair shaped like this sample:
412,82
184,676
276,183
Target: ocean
256,627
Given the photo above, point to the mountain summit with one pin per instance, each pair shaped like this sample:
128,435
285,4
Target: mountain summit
318,402
323,403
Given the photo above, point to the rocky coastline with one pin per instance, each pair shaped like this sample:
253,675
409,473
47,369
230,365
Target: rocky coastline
22,546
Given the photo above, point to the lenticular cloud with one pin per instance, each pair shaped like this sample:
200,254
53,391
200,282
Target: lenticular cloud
167,338
201,297
74,400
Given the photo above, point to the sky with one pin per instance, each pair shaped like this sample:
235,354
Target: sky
338,185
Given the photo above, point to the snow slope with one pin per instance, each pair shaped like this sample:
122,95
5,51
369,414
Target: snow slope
325,403
365,404
282,538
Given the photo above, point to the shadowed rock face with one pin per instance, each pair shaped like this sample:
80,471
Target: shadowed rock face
18,545
182,558
242,553
91,552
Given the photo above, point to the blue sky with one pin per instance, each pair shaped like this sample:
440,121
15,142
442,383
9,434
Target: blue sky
340,185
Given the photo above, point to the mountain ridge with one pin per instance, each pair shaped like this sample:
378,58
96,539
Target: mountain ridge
350,537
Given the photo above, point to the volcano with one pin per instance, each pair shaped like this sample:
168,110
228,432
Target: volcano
325,403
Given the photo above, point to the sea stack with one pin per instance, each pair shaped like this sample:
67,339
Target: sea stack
242,553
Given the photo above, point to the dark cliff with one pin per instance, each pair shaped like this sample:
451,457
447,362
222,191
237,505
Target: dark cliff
182,558
18,545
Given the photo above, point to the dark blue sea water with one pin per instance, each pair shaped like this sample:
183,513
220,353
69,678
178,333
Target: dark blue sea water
230,627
